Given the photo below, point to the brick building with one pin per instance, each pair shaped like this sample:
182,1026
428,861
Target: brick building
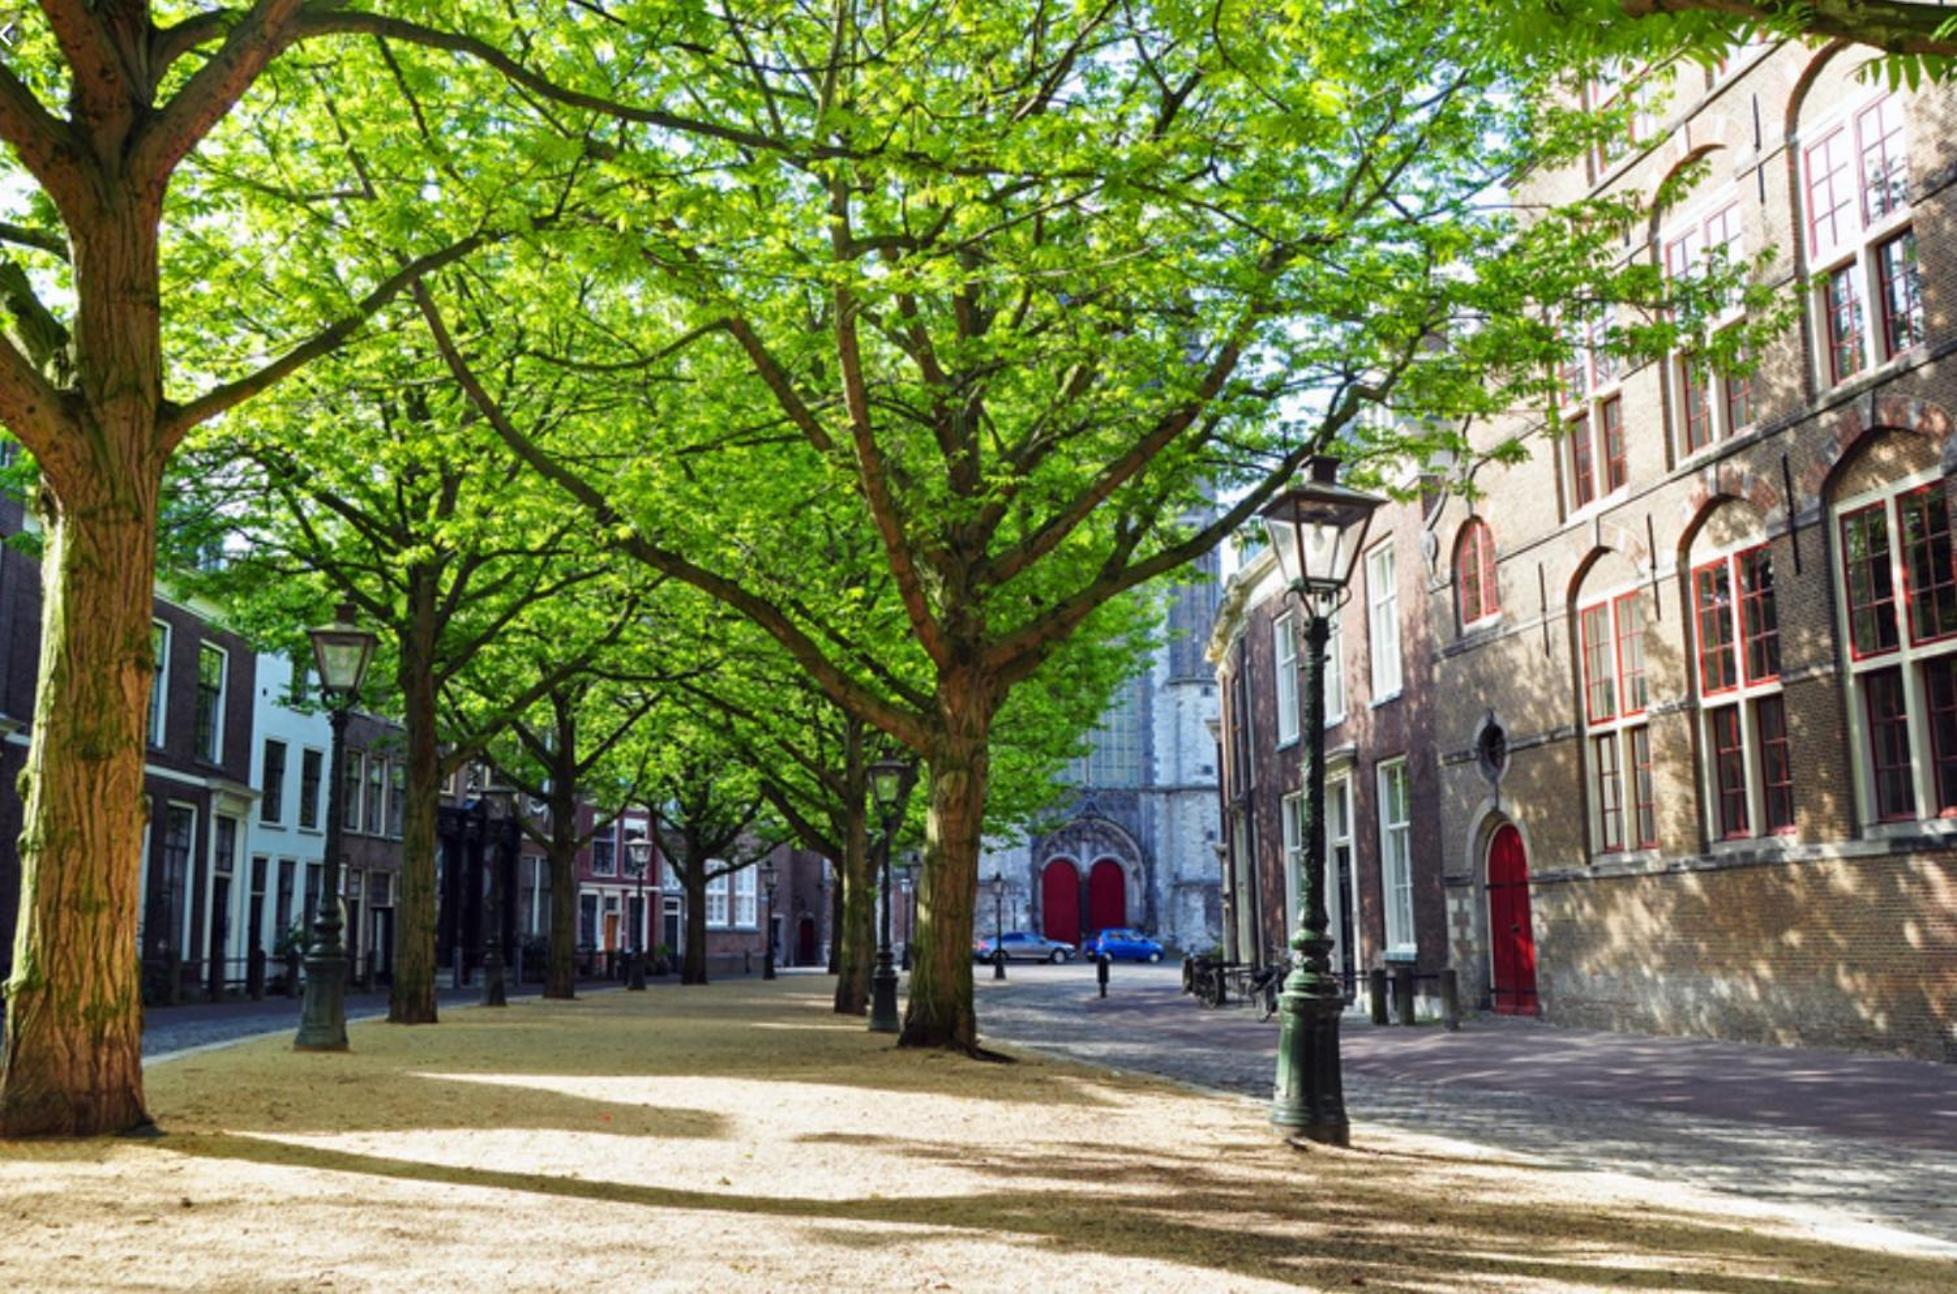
1382,834
1696,659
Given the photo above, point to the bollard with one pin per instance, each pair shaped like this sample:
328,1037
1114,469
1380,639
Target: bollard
1450,999
1101,972
1376,989
1403,992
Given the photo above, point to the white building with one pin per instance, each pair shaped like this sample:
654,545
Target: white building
285,836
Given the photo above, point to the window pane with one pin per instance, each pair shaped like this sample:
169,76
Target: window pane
1869,580
159,639
1284,644
271,807
1712,595
1599,681
1630,651
1729,770
1885,164
1583,479
310,764
1610,793
1643,794
1925,518
1776,763
1695,405
1830,193
1616,466
210,694
1759,618
1940,684
1384,595
1902,294
1844,309
1895,796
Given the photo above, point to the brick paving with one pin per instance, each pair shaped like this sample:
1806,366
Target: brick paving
1867,1138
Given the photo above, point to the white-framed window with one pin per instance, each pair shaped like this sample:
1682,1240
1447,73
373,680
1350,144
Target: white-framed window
397,796
1294,847
1710,406
718,890
747,884
1861,247
1614,83
374,808
1617,735
1593,459
271,802
1477,584
1284,642
1748,770
1898,614
356,777
1396,854
1383,621
212,667
312,774
1334,671
587,920
159,687
604,852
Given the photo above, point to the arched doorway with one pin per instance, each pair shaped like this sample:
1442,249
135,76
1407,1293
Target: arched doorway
1511,936
1107,896
805,942
1060,901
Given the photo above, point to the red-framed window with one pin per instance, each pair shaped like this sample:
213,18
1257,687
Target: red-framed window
1885,160
1603,363
1616,466
1474,573
1844,309
1739,400
1928,572
1901,296
1759,617
1830,190
1940,689
1610,793
1895,792
1712,601
1776,763
1599,682
1696,402
1629,611
1729,770
1644,794
1868,580
1583,477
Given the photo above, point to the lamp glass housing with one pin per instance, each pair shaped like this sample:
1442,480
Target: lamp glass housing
1317,528
769,873
886,783
998,885
342,651
639,850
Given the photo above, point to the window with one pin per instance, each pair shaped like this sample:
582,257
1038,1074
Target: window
167,907
1710,406
1595,456
350,790
1860,246
717,890
1748,775
1616,467
1635,93
210,702
1583,477
1294,844
1901,660
271,805
1396,854
311,764
746,902
604,853
1611,642
159,685
315,879
1334,672
1284,644
397,796
288,869
587,920
1383,621
1477,598
375,804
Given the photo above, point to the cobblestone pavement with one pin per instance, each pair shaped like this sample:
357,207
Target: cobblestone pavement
1866,1139
178,1028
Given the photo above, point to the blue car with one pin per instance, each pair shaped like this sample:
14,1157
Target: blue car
1122,944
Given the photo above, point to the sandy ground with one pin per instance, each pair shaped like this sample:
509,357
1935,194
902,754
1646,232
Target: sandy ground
741,1138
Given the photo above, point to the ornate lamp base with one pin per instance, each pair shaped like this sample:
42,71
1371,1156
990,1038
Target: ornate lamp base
323,1015
1309,1102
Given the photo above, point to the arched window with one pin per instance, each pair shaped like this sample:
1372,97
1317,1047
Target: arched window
1476,595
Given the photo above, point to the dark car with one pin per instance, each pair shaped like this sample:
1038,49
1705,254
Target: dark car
1122,944
1024,946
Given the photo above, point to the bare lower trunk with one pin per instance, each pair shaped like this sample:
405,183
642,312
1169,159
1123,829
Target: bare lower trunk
857,934
693,967
561,976
412,999
940,1012
74,1002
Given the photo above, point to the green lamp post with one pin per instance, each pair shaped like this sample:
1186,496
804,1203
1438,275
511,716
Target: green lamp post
638,858
1317,528
341,651
887,790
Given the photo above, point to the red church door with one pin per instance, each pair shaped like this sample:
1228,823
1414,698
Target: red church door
1060,901
1511,935
805,942
1107,896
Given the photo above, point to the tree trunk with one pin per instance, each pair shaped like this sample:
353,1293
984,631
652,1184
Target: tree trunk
693,967
412,999
940,1012
74,1020
859,935
561,977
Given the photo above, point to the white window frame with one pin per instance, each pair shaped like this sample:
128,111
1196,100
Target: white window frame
1693,222
1621,728
319,791
1857,251
1744,693
1600,388
718,894
350,804
1396,857
1291,815
747,899
159,697
1908,657
216,753
1388,669
1334,671
1284,647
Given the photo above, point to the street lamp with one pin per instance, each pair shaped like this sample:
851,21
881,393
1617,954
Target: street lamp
342,651
769,873
495,992
998,926
907,886
1317,529
887,789
638,857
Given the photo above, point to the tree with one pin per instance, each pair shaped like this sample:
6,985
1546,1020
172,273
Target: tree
1041,285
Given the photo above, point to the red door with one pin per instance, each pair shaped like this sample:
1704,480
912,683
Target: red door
805,942
1511,935
1107,896
1060,901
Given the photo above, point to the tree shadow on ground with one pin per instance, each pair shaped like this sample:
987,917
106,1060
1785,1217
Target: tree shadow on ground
1369,1223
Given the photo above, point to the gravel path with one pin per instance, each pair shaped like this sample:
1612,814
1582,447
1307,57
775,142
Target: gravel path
1872,1138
